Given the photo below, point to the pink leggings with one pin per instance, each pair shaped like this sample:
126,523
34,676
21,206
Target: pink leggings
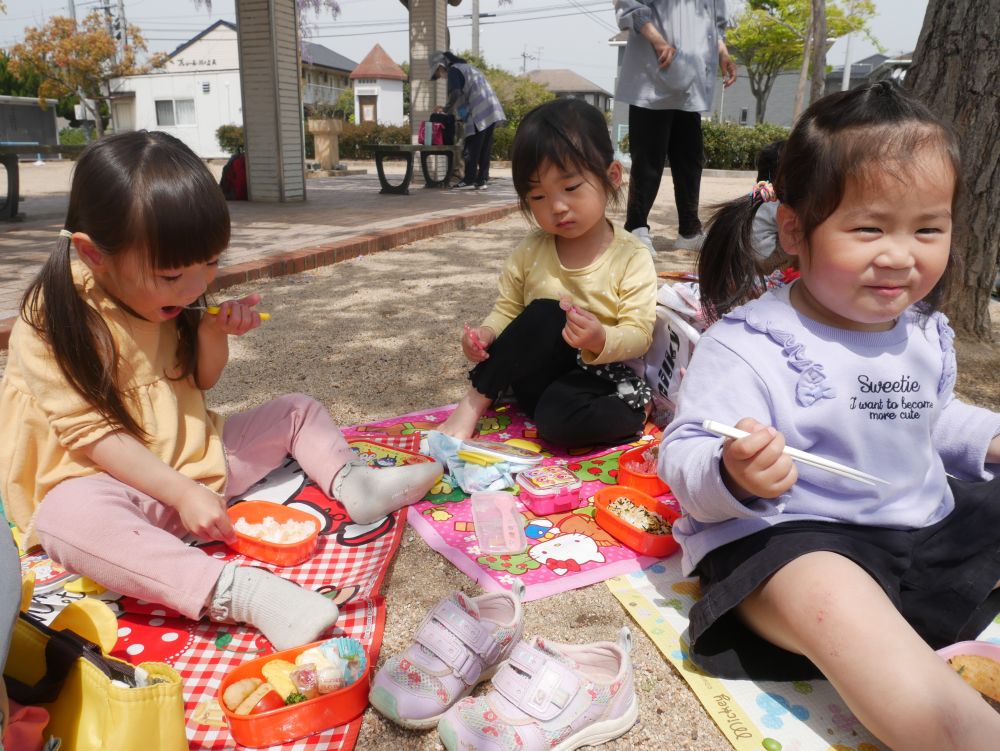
131,543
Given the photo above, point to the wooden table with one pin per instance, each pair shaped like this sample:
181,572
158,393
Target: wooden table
406,151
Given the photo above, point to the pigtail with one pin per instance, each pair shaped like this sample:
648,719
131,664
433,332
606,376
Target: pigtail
81,341
728,274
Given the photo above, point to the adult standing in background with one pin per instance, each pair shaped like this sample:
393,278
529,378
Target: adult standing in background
668,79
473,100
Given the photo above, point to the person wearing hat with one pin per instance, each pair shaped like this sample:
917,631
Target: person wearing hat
473,100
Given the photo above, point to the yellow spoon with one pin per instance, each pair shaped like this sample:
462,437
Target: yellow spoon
214,310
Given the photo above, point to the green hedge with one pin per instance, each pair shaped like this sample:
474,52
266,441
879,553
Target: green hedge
230,138
355,138
72,137
731,146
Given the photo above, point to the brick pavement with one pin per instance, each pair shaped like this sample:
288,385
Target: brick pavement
343,217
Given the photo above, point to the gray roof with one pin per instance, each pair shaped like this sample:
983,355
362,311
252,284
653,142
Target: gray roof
312,54
560,80
317,54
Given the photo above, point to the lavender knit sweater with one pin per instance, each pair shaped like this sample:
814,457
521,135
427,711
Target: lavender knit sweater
881,402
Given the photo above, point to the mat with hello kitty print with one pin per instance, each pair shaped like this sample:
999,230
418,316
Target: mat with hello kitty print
565,550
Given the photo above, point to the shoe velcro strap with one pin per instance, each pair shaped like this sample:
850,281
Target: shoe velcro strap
535,683
458,640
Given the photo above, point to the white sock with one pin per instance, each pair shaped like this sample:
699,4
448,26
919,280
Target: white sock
369,493
287,614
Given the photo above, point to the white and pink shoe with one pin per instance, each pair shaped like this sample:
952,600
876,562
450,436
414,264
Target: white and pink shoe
549,697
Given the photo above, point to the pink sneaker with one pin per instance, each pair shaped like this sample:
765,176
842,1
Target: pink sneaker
461,643
549,697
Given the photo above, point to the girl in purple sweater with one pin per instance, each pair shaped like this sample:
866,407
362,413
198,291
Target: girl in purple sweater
804,572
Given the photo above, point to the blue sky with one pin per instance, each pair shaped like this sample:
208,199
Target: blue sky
525,34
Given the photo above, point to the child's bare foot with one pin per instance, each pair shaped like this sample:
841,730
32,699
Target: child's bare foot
461,423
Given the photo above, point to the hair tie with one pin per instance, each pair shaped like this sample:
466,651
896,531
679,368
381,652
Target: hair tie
65,233
764,191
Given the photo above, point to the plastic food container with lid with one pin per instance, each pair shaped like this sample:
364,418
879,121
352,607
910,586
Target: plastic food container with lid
280,554
273,727
639,540
550,489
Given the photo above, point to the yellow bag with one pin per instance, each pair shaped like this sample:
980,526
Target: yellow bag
72,679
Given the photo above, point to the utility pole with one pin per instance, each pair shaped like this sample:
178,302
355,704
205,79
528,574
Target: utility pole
71,9
475,27
845,82
475,16
123,26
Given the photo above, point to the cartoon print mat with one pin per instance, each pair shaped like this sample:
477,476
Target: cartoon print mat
754,716
565,550
349,566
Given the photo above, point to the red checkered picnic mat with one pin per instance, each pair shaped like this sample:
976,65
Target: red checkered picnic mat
349,566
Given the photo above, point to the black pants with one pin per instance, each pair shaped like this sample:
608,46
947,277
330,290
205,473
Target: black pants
477,156
571,407
654,136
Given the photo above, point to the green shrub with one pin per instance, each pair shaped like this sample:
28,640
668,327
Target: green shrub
355,139
503,137
735,147
72,137
230,138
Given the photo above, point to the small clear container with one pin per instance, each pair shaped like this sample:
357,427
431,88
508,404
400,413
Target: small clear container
549,490
499,525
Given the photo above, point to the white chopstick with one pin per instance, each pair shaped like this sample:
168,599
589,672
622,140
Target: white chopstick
806,458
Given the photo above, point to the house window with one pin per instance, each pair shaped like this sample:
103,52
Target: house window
175,111
744,116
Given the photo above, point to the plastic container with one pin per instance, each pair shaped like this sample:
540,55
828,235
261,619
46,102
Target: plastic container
277,726
280,554
499,525
649,483
980,677
637,539
549,490
494,451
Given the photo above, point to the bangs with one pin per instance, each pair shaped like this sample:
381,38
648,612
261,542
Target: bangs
548,144
891,150
180,216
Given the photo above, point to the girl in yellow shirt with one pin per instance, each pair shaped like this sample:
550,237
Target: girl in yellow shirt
577,298
115,456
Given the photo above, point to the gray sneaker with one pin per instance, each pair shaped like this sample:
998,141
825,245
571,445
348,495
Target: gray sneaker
462,185
642,235
690,243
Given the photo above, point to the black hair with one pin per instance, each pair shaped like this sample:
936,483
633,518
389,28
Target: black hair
767,160
137,192
850,135
566,133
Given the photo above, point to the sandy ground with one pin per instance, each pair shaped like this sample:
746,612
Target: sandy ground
379,336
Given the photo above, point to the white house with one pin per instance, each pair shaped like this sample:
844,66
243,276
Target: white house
198,89
378,89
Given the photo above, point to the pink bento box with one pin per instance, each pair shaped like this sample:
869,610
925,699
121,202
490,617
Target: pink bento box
549,490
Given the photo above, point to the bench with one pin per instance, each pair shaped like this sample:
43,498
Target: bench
406,151
9,160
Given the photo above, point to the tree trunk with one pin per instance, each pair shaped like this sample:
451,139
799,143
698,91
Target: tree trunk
800,90
954,73
817,89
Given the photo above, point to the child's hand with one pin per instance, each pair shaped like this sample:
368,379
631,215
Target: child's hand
582,329
203,514
475,342
755,467
235,317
